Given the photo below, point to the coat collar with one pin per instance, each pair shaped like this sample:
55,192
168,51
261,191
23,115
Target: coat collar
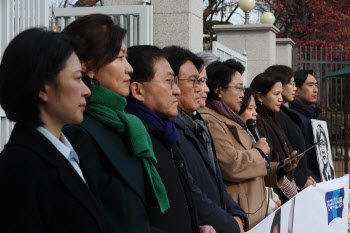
189,134
33,140
109,144
308,111
234,127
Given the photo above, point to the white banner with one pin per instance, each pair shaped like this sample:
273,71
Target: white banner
323,208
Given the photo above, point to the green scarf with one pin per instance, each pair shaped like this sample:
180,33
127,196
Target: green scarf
108,107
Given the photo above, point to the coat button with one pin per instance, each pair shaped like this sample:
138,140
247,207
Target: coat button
181,165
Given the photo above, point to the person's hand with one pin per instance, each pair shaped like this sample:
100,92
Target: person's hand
310,181
262,145
206,229
278,204
240,223
290,166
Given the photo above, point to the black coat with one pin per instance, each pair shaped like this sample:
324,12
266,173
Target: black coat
306,113
119,177
280,148
181,216
41,191
291,125
214,205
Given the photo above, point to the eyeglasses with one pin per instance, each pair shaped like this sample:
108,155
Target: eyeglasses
173,80
240,89
196,82
292,83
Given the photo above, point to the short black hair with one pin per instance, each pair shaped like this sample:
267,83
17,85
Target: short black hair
31,57
142,58
97,41
300,77
177,56
219,74
248,93
286,73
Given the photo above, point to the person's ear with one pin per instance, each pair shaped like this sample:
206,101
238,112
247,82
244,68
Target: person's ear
218,91
44,90
260,96
84,65
137,91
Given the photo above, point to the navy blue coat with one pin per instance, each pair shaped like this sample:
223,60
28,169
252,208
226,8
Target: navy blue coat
306,113
214,205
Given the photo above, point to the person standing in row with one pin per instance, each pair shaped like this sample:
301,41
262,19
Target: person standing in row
291,123
214,205
269,100
43,188
153,99
115,148
304,106
242,165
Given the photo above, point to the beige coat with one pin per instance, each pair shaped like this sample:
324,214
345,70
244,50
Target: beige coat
243,168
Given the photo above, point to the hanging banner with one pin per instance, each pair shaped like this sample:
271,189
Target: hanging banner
323,208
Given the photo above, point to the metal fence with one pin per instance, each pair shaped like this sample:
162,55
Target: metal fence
136,19
15,17
324,61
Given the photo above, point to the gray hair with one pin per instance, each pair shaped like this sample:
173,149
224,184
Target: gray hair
208,58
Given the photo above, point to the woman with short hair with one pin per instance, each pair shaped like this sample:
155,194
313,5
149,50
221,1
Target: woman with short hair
43,188
115,148
242,165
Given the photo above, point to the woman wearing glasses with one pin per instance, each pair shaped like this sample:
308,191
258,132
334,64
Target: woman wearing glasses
115,148
242,165
269,100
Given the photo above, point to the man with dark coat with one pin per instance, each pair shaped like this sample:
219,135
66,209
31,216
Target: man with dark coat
214,205
291,124
153,93
303,105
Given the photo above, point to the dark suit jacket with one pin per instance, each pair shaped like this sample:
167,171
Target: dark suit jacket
41,191
181,216
215,206
119,176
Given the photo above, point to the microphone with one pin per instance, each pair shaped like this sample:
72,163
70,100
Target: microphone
251,125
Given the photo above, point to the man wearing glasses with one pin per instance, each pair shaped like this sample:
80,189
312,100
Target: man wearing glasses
153,98
214,205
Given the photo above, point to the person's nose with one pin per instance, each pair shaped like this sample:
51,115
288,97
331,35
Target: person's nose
85,91
206,88
280,98
176,90
128,68
198,88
